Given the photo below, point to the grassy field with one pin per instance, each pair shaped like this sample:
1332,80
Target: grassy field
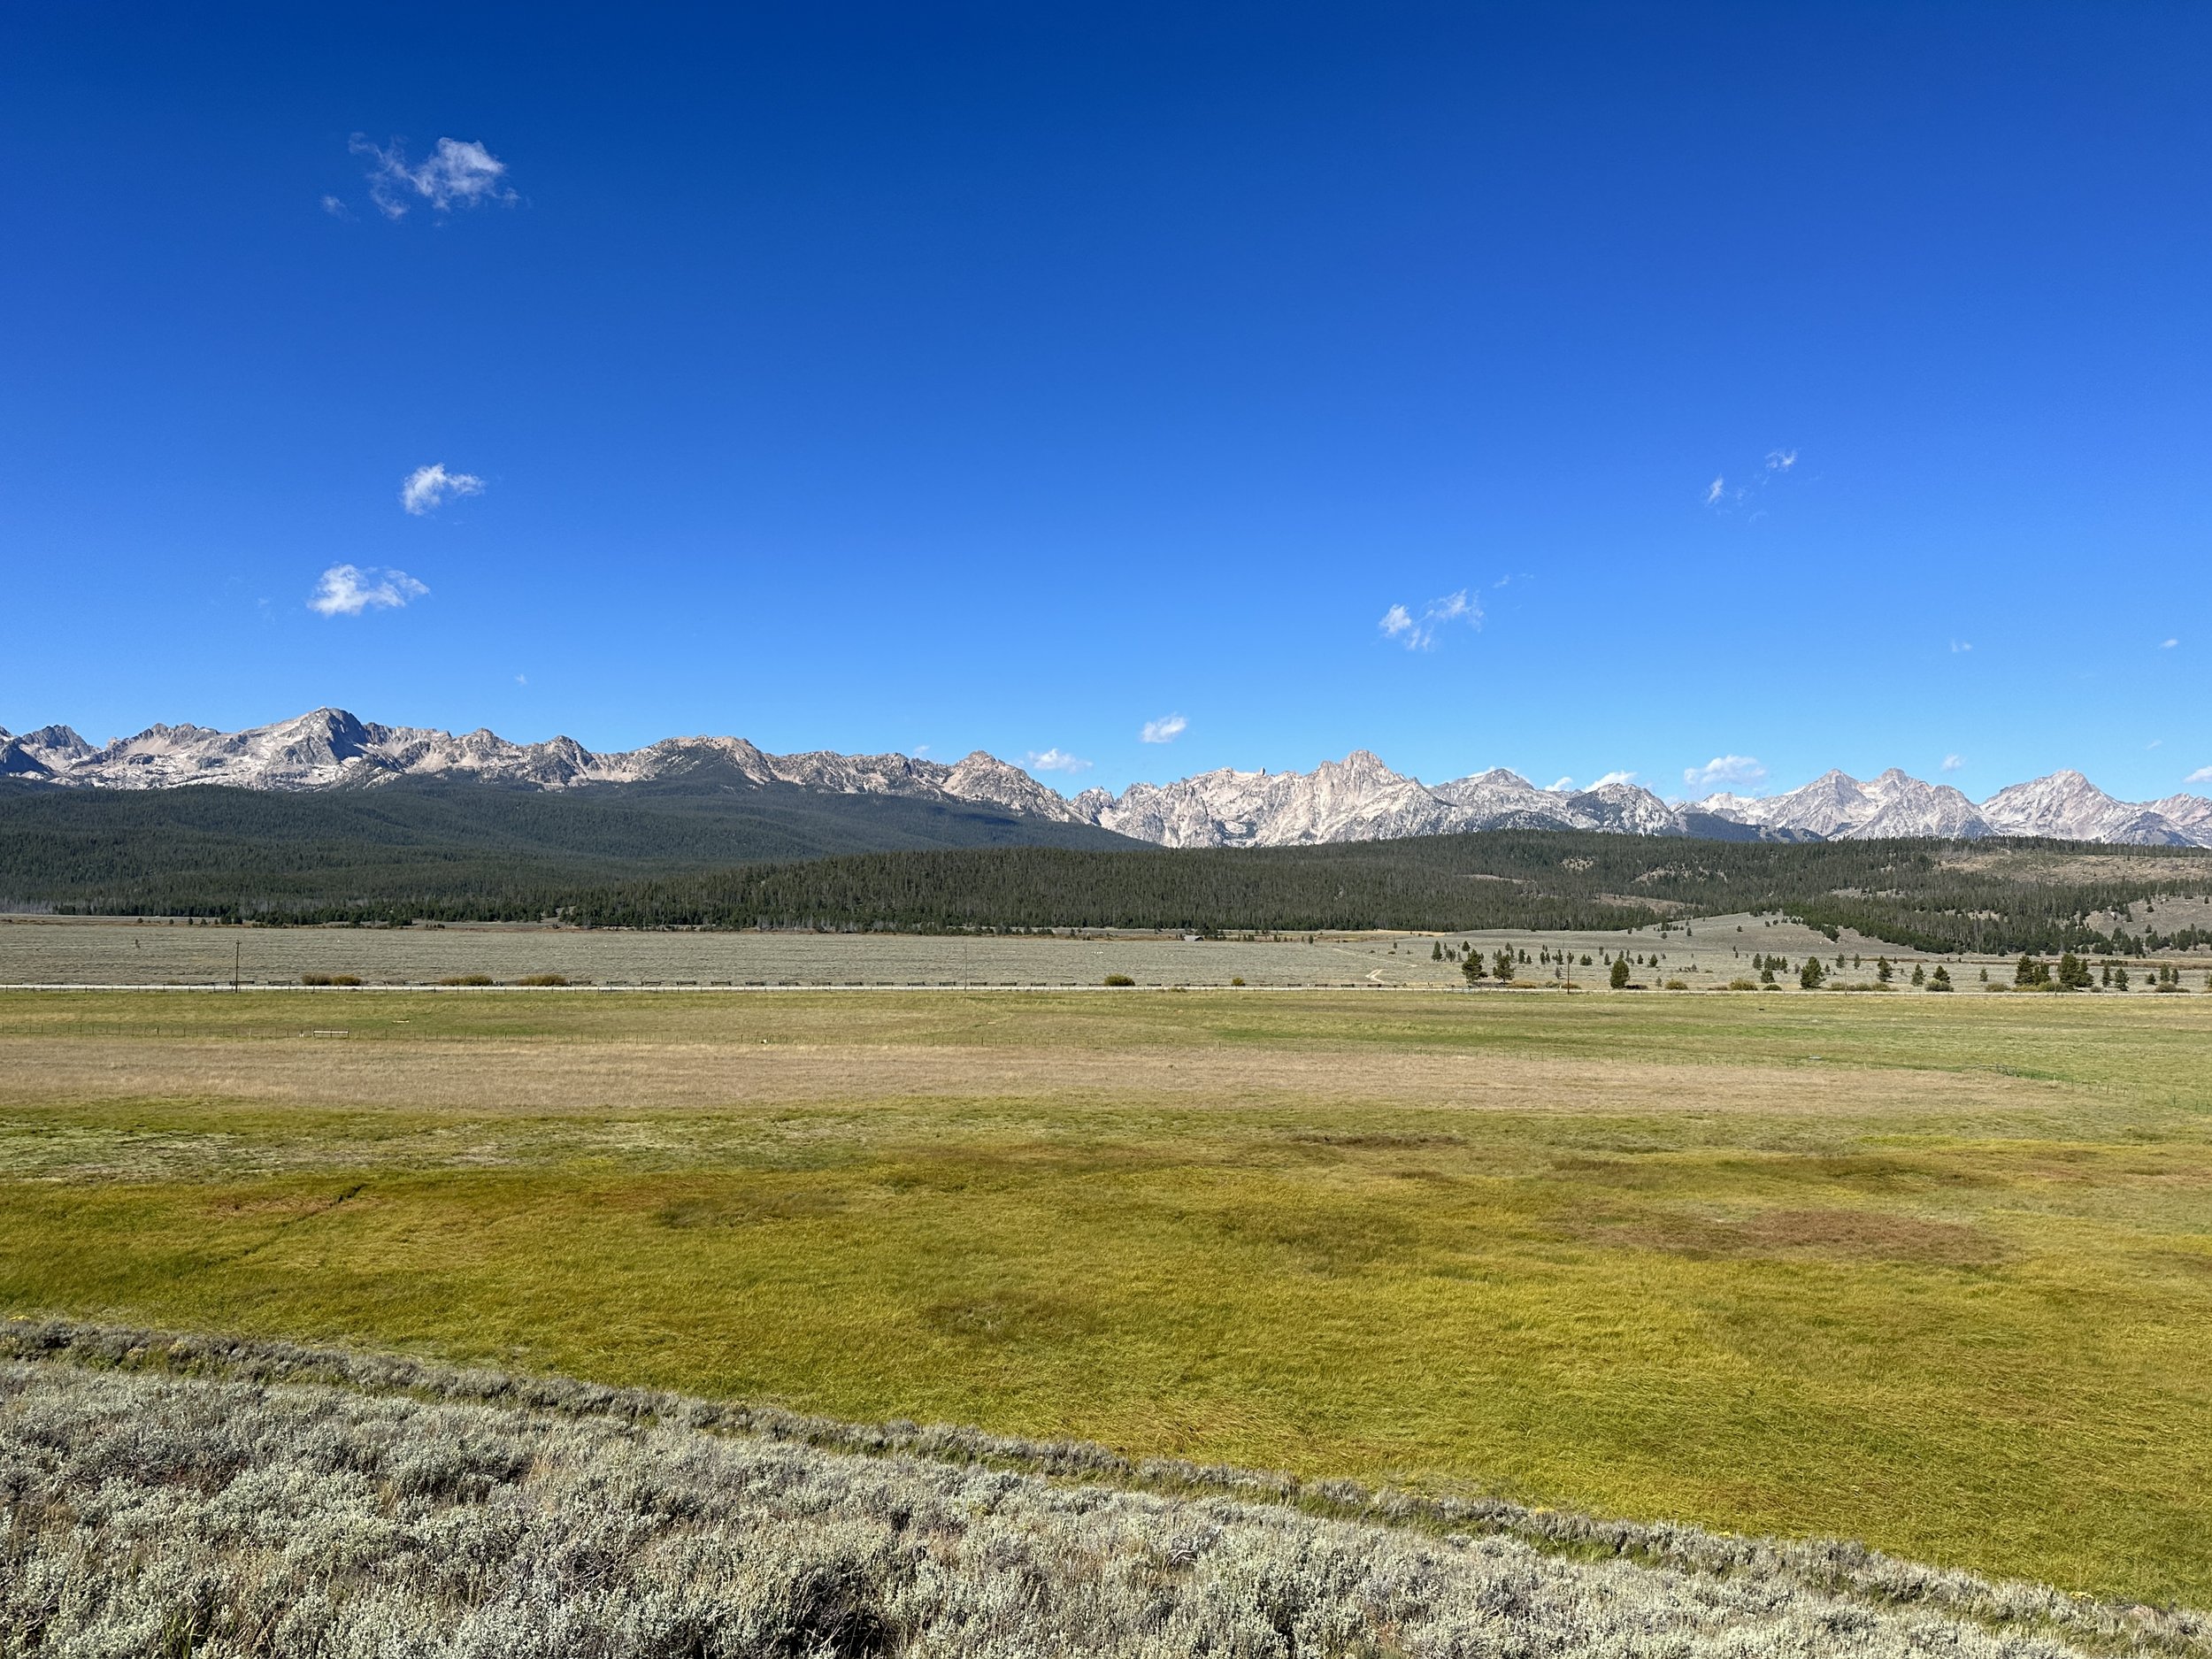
1935,1273
102,951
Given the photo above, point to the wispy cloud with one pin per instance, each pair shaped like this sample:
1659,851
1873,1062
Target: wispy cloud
429,486
1416,632
336,208
1724,499
460,172
1731,771
1614,777
1055,760
347,590
1166,729
1560,784
2168,645
1959,646
1953,762
2202,774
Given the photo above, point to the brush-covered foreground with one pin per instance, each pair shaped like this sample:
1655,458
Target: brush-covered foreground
179,1495
1934,1273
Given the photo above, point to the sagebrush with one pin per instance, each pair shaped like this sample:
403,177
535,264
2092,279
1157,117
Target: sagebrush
182,1495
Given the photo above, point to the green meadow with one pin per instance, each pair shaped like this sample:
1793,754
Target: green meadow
1934,1273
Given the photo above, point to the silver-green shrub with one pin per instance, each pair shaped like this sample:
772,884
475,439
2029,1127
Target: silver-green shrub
164,1495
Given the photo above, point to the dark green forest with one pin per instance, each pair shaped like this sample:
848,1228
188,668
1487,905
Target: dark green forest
774,859
438,849
2021,897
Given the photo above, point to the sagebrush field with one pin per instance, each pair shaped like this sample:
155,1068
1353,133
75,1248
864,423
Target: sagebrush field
1932,1273
255,1500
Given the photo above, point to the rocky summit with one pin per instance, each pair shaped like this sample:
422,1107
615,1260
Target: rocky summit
1358,798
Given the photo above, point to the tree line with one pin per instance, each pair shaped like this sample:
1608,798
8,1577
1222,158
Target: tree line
644,861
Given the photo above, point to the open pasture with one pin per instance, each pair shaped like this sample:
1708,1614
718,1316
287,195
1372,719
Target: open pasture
89,951
1933,1273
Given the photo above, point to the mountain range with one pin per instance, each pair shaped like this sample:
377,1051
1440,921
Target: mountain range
1358,798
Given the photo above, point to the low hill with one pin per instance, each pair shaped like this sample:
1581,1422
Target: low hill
449,849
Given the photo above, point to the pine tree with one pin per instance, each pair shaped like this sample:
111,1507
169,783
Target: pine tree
1812,975
1620,972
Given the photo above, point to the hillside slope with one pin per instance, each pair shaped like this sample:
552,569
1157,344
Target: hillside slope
438,843
279,1499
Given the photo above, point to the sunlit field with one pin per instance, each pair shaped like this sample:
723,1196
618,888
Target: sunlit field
1931,1272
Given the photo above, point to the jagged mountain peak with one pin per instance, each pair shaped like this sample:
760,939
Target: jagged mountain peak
1359,798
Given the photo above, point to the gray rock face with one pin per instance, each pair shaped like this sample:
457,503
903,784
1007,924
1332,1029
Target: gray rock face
330,748
1357,798
1837,807
2066,806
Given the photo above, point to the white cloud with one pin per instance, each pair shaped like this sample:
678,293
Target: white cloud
336,208
1419,632
1055,760
1953,762
429,486
2168,645
1715,490
461,171
1729,770
347,590
1614,777
1561,783
1166,729
522,679
2202,774
1781,460
1958,646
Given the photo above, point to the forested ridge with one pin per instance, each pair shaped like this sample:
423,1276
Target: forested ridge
646,858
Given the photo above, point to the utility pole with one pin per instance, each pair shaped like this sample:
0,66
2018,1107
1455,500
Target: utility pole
237,956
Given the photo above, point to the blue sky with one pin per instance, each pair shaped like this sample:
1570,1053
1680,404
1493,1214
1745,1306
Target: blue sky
1578,389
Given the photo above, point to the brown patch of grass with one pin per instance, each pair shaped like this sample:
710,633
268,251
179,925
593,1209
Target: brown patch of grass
1008,1316
1329,1240
1856,1235
498,1075
749,1207
1872,1173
